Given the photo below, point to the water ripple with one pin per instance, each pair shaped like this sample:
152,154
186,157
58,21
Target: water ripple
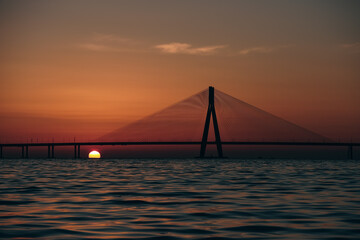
179,199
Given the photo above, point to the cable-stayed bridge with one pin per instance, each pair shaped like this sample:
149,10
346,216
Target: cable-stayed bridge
191,121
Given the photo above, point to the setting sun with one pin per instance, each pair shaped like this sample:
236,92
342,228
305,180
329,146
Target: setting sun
94,154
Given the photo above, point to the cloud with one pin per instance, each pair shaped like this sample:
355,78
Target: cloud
102,37
96,47
351,45
256,50
100,42
262,49
185,48
355,47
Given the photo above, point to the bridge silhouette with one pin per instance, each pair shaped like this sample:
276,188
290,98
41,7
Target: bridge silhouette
272,122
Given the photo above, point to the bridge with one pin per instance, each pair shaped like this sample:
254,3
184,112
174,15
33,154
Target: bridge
211,113
76,145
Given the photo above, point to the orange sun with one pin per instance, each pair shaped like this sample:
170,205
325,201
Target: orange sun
94,154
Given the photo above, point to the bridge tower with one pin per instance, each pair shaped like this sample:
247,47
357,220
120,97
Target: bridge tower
211,111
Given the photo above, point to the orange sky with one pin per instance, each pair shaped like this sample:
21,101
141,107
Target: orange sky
84,68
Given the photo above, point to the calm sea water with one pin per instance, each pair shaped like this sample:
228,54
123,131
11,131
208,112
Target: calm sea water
179,199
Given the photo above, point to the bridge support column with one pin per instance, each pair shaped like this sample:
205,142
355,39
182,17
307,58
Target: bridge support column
211,111
49,151
22,152
78,151
27,151
350,152
52,151
1,151
75,153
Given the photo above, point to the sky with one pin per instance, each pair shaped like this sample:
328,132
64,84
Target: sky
80,69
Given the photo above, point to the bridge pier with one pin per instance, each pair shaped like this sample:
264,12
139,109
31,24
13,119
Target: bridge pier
52,151
1,152
27,151
75,154
350,152
22,151
78,151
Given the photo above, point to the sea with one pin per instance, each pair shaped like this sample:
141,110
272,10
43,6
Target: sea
179,199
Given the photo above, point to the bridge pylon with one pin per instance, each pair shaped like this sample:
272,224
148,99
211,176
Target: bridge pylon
211,111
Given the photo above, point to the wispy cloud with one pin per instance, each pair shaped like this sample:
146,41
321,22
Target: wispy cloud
256,50
355,47
100,42
97,47
185,48
101,37
262,49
